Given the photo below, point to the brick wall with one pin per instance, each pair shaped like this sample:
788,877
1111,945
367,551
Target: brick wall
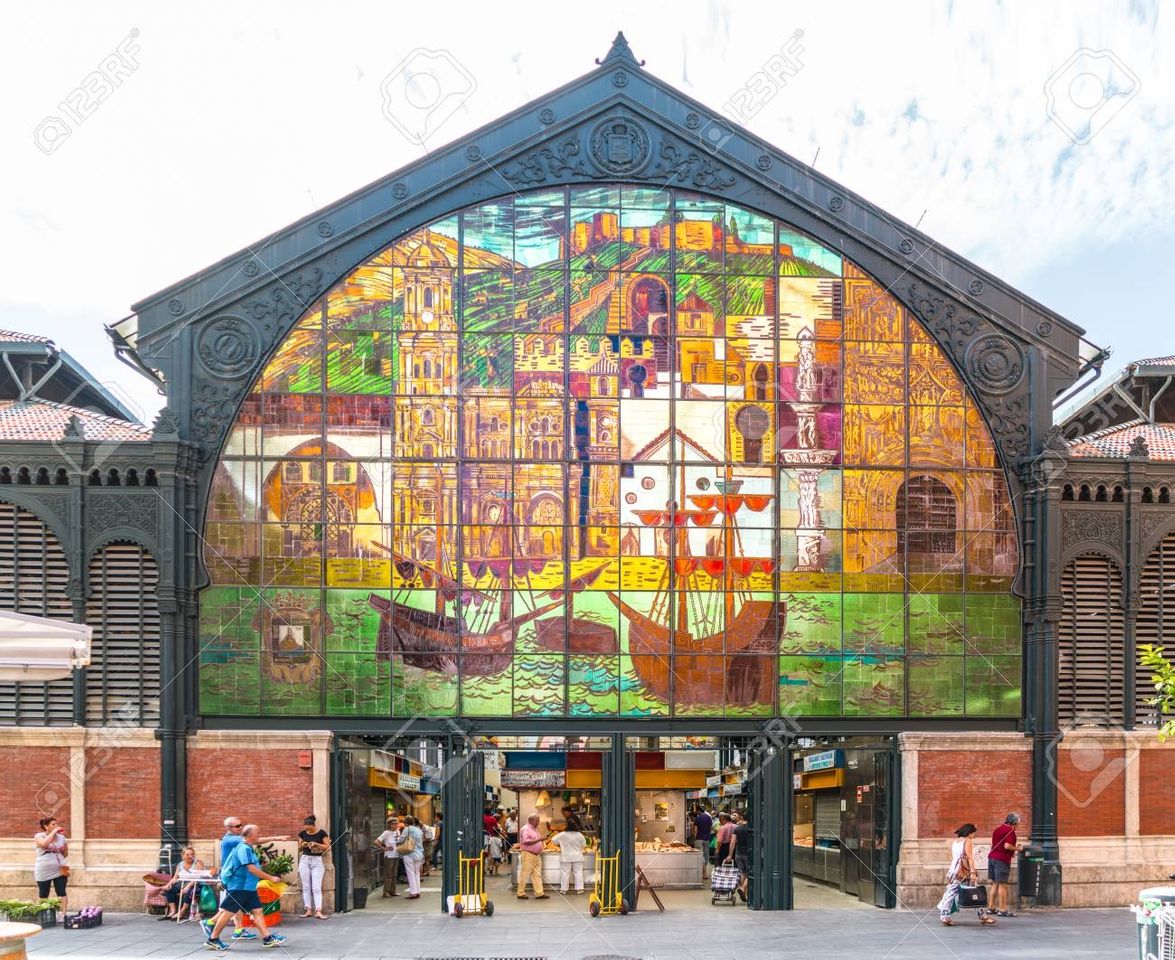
266,787
122,793
1091,792
979,787
1156,800
34,783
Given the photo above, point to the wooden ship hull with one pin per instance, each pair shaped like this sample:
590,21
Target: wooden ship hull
582,636
431,641
737,667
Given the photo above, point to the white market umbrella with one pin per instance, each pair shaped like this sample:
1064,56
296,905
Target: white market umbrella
37,649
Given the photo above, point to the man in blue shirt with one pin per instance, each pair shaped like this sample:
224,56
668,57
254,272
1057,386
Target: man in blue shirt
232,836
239,872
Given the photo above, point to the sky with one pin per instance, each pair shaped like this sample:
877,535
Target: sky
142,142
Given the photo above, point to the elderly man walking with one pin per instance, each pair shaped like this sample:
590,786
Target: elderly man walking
531,867
240,873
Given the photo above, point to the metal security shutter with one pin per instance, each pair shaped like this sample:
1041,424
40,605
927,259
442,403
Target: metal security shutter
34,573
1091,642
827,807
122,682
1156,617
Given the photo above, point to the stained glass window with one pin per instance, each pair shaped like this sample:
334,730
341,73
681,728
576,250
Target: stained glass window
609,451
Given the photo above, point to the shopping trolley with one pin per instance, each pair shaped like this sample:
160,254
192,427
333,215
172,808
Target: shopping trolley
471,888
724,880
605,898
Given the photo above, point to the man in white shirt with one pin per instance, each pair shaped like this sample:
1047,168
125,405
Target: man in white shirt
387,841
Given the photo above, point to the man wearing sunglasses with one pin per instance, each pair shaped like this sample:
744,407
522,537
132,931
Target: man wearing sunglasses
232,836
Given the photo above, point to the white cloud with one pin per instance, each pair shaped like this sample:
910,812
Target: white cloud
243,117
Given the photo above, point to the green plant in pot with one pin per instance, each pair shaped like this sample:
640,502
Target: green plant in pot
272,861
28,910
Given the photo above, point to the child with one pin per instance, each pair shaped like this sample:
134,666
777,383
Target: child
494,853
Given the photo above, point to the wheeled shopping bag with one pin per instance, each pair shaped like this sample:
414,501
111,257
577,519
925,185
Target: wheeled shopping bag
723,882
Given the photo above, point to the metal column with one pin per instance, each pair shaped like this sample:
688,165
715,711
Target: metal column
617,803
768,763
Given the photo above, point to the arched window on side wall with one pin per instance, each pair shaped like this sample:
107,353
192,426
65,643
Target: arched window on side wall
122,681
1156,617
34,572
1091,643
927,517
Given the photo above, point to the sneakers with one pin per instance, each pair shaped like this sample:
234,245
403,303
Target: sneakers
207,926
273,940
243,934
218,945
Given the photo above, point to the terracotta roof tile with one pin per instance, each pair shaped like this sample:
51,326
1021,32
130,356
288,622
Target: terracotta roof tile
1116,441
14,336
41,420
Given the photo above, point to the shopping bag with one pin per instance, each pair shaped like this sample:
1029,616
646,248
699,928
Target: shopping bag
207,898
724,878
975,896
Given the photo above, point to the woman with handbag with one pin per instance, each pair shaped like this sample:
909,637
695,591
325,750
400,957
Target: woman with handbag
961,871
49,867
411,850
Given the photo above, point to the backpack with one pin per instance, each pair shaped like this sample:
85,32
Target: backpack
233,868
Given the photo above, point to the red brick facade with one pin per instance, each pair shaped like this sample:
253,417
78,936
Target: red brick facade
34,783
1091,793
122,793
266,787
979,787
1156,806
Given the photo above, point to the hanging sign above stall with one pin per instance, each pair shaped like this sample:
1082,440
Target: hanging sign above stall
821,761
532,778
731,789
409,782
714,781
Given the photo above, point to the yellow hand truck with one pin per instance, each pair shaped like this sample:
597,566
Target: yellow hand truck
605,898
471,888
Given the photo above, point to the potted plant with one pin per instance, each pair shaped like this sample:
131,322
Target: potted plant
270,893
41,912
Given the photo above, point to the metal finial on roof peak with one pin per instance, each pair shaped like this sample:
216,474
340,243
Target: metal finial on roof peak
620,51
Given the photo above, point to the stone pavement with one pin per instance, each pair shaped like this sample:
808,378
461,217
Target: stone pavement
567,933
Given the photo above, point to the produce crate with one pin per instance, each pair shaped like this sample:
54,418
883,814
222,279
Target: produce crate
46,918
75,921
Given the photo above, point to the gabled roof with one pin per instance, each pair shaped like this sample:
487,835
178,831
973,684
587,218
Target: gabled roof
15,336
1117,441
561,138
43,420
659,441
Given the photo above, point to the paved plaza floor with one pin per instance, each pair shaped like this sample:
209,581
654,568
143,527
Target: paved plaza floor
560,929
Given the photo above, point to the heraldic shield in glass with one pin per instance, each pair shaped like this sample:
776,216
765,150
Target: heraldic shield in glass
611,452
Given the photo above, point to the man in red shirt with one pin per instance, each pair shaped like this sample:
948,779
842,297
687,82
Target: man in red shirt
999,863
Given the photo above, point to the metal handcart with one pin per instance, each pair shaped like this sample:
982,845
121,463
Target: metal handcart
605,898
471,888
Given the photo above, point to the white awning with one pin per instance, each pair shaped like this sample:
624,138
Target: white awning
36,649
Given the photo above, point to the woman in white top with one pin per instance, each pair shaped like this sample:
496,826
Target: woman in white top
962,870
387,841
570,843
49,867
413,858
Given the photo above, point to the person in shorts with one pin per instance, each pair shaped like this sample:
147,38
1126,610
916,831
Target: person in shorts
741,838
240,874
999,863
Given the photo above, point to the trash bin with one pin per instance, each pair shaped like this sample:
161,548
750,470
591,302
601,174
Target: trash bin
1151,901
1030,860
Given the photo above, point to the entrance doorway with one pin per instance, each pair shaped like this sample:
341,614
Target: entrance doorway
844,813
819,814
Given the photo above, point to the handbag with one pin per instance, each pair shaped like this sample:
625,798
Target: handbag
407,845
972,896
64,871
